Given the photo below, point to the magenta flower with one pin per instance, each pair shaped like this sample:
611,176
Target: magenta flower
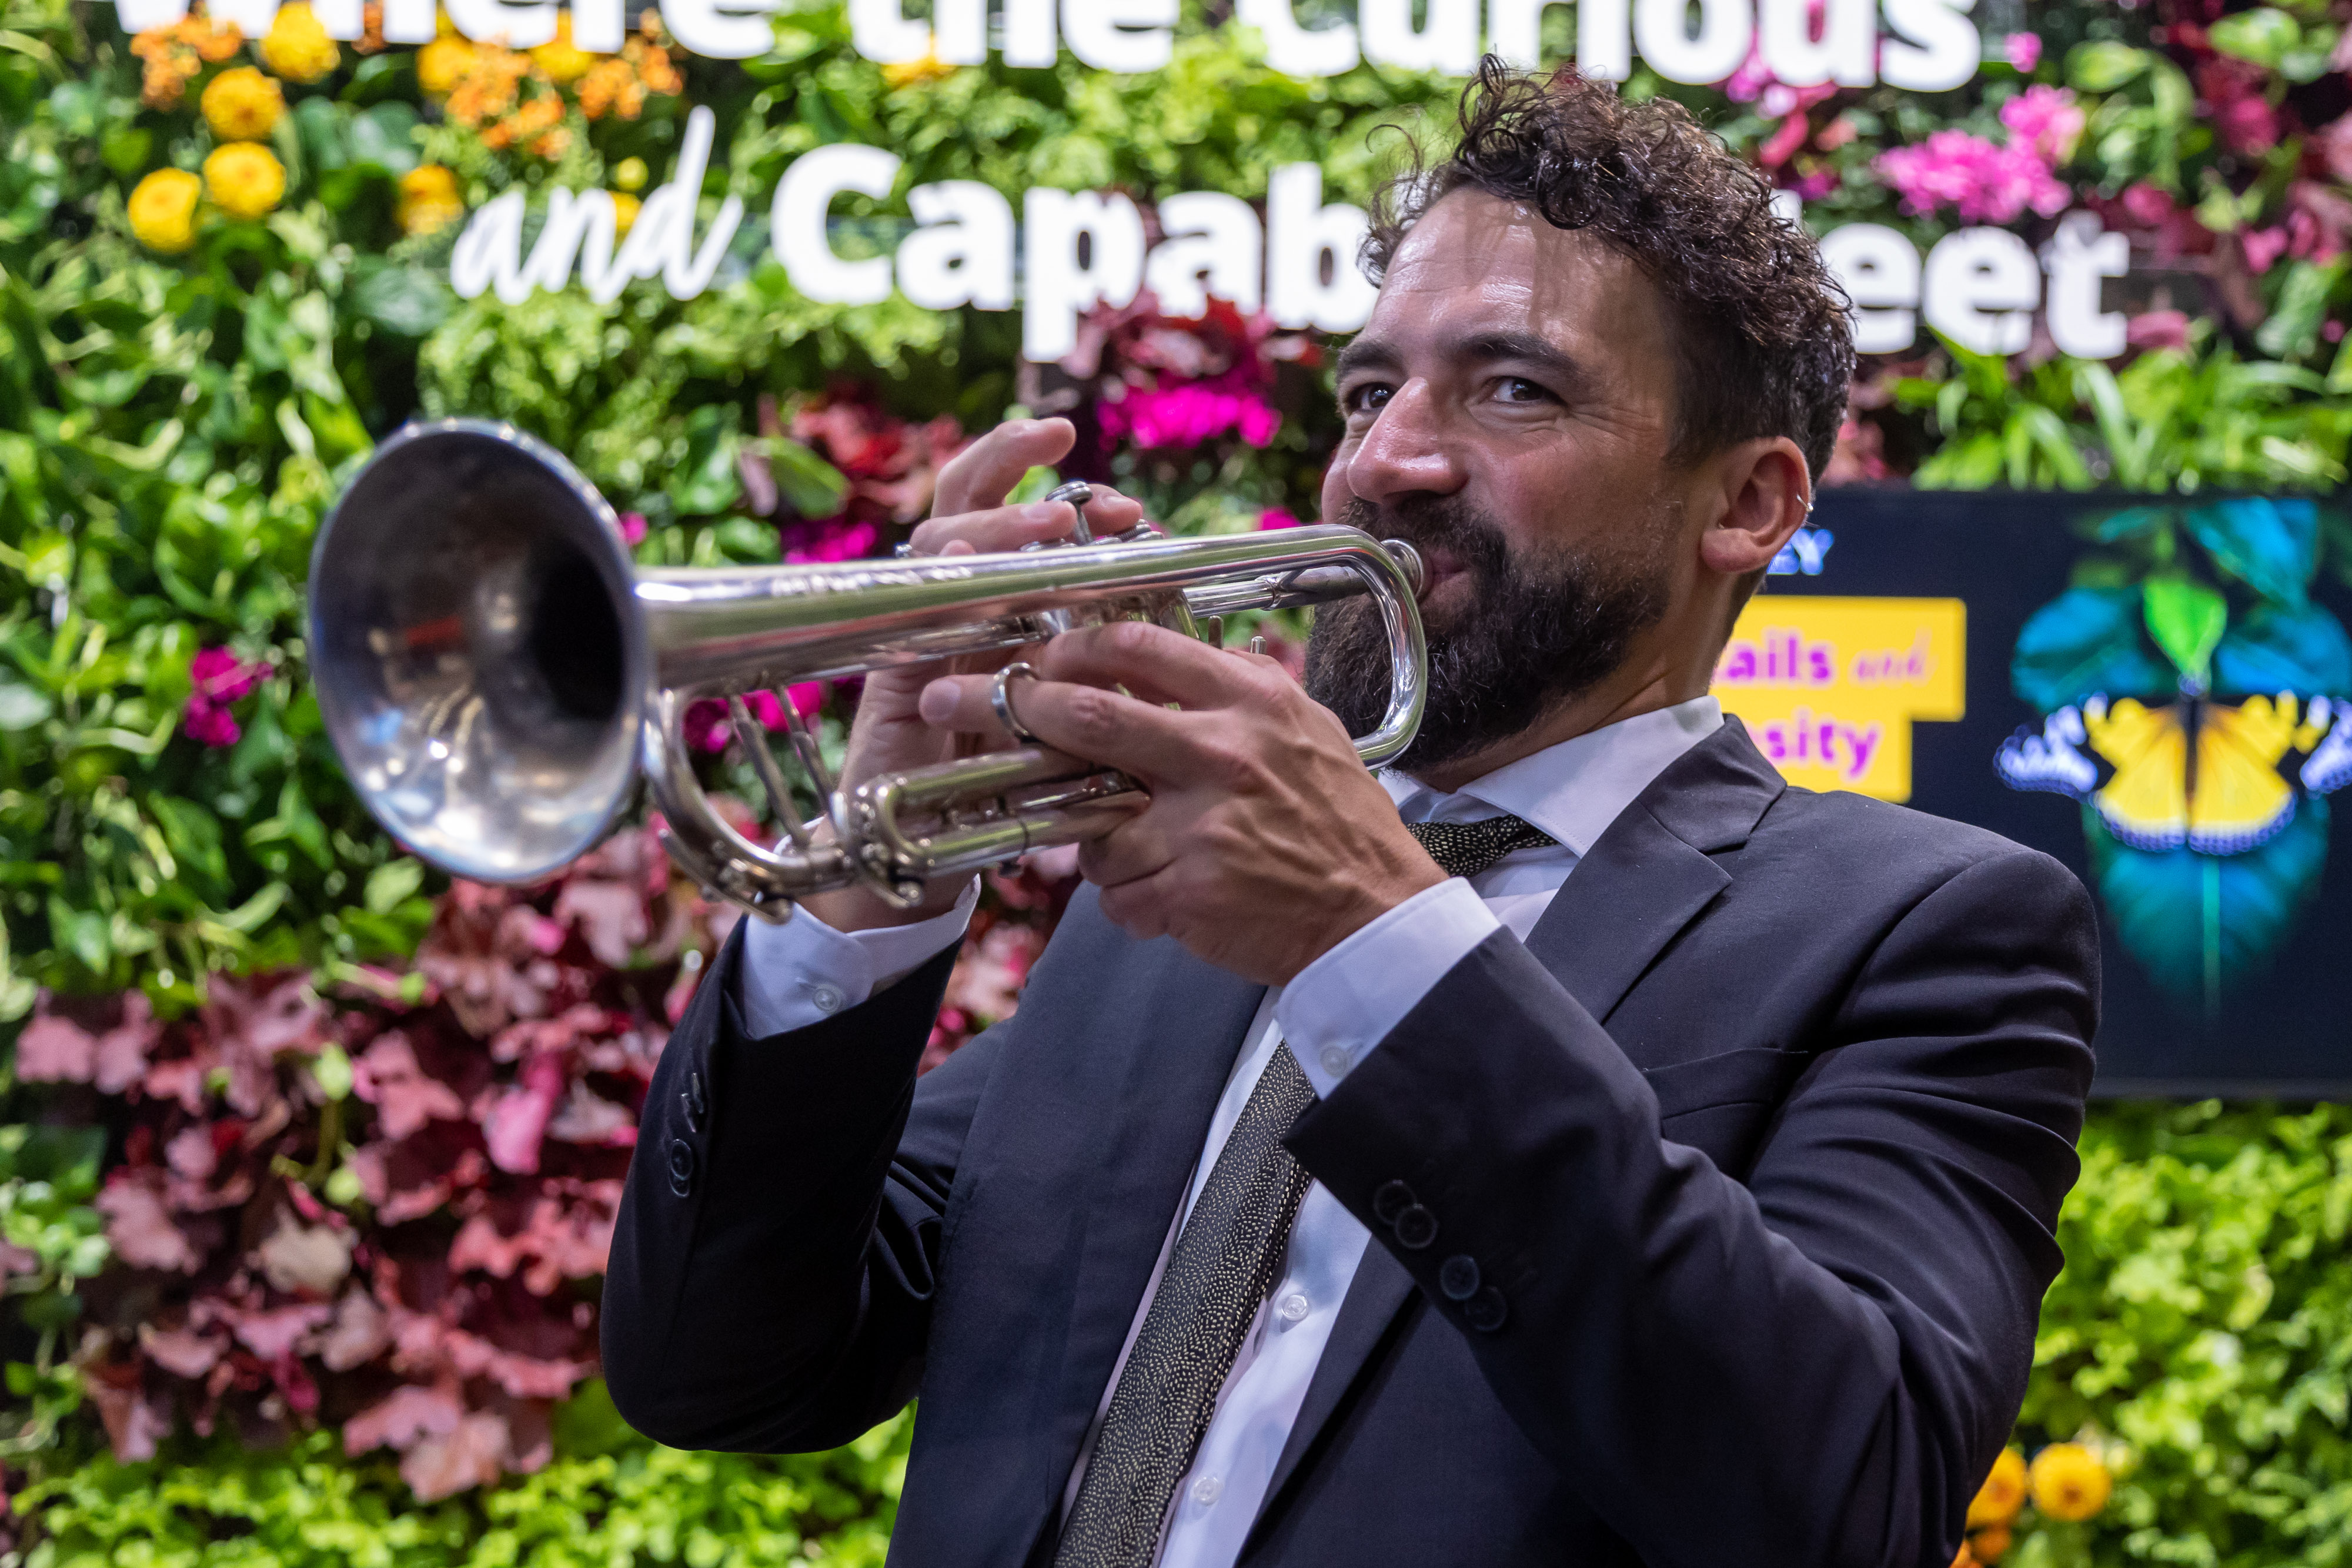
2046,120
2024,49
1985,183
632,529
2263,248
217,678
2158,330
706,726
836,539
1277,518
1189,414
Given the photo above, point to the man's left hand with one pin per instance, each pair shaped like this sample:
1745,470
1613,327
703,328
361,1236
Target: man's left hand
1266,841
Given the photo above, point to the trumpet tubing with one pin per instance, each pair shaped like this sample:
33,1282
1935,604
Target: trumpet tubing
497,674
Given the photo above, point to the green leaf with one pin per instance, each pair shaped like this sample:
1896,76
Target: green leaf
2263,35
706,482
332,1069
2291,329
406,300
384,136
22,707
392,881
2104,66
2187,619
814,487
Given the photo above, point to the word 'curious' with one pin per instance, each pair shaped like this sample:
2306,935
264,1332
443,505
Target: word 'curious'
1927,45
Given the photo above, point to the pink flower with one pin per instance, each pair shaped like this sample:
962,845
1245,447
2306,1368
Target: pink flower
632,529
2045,120
2233,90
2158,330
836,539
1188,414
2024,49
217,678
1985,183
1782,144
707,725
2263,247
2148,205
1747,84
1277,518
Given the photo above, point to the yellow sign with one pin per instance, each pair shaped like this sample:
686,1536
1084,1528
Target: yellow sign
1829,688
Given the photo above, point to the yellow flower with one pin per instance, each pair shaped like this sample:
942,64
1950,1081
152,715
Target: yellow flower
2002,1494
915,73
429,199
244,178
2069,1482
442,64
630,173
242,104
296,46
558,58
624,213
163,210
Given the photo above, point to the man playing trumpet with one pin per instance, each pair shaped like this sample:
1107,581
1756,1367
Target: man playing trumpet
1571,1145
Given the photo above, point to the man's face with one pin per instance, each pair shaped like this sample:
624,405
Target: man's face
1510,409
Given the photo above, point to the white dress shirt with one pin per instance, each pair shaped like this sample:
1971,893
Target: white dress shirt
1332,1012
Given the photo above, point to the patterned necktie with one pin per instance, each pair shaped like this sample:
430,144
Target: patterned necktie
1223,1265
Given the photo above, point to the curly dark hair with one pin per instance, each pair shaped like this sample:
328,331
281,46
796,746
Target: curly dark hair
1763,342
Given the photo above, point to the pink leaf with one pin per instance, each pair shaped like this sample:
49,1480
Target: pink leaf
54,1050
610,916
122,1050
409,1413
388,1077
271,1335
134,1422
361,1332
473,1455
304,1259
191,1154
179,1352
517,1123
139,1230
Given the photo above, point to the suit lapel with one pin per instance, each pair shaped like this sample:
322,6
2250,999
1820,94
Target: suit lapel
1189,1020
1646,878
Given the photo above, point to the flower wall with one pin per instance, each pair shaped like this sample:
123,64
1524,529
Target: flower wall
308,1157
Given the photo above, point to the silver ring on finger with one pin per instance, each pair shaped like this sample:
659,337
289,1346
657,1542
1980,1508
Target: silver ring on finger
1000,697
906,547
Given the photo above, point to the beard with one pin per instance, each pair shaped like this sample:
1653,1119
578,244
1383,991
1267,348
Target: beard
1541,630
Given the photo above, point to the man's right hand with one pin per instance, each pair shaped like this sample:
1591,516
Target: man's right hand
969,516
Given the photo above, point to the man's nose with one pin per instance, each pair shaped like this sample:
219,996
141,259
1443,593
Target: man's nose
1407,450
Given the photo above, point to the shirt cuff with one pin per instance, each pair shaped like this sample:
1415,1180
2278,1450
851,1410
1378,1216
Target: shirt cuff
1335,1010
803,971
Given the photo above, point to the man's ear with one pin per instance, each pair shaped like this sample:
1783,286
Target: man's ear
1766,490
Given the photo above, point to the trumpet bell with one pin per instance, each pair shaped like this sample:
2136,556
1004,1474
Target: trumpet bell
481,664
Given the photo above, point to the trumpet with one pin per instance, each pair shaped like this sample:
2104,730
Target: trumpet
497,675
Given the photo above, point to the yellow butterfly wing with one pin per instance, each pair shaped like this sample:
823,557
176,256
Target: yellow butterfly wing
2146,804
2241,800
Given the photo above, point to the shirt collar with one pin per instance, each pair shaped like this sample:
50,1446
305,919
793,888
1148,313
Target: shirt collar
1575,789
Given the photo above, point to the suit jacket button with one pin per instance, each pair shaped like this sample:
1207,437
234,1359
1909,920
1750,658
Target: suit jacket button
1458,1278
681,1167
1416,1228
1486,1311
1393,1199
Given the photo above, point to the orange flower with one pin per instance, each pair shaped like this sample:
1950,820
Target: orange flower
2069,1482
620,85
370,38
490,85
916,73
2002,1494
1988,1545
174,54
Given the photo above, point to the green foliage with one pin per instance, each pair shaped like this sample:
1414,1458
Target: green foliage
608,1498
2204,1322
47,1176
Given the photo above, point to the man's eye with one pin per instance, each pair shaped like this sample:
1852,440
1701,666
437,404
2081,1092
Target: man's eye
1366,400
1518,388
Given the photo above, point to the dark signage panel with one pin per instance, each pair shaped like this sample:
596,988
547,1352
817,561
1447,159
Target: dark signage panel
2148,689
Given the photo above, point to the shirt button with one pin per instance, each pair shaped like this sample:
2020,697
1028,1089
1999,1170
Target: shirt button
1293,1307
1207,1490
828,998
1335,1061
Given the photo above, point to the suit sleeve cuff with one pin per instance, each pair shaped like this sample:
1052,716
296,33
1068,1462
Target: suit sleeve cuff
1346,1002
803,971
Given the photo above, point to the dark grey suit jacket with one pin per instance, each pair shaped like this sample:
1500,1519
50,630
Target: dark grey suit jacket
1756,1145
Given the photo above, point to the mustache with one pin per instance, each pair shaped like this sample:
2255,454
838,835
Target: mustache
1431,522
